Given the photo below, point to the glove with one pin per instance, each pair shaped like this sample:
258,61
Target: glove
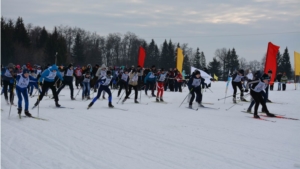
246,90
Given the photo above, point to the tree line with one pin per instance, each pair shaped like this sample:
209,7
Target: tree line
35,44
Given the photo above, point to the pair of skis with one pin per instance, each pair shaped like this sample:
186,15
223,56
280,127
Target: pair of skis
204,107
276,116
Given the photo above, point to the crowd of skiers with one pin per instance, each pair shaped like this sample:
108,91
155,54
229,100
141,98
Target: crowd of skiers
101,79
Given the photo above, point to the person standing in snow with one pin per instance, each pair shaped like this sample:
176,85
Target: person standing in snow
124,78
8,78
284,80
194,85
150,80
161,78
257,86
278,78
104,85
237,79
133,83
68,80
48,77
21,89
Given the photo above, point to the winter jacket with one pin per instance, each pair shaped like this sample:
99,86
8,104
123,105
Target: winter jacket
284,79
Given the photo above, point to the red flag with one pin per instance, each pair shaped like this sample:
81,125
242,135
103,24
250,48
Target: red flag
271,61
142,56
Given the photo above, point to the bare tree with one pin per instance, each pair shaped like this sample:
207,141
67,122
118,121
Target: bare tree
221,54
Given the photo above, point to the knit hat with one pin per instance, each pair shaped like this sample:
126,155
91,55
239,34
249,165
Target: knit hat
241,71
70,65
197,72
10,65
25,71
265,77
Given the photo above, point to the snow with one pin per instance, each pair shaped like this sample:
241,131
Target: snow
153,136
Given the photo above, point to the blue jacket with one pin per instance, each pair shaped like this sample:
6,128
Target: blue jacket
150,79
47,72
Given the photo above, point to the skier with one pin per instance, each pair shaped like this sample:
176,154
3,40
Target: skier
133,83
78,77
255,91
8,81
162,75
124,78
48,76
179,80
150,80
68,80
194,85
237,82
33,83
101,72
104,83
86,85
21,89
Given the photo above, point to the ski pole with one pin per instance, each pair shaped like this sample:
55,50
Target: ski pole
38,104
78,92
186,97
120,97
227,97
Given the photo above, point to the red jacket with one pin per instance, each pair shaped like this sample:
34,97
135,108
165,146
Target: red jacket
179,77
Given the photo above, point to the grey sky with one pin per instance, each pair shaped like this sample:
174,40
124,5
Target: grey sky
204,24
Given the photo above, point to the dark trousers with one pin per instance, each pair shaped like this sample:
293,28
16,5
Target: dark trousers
124,85
70,84
78,81
239,85
11,94
198,95
283,86
258,98
135,88
150,85
45,87
103,88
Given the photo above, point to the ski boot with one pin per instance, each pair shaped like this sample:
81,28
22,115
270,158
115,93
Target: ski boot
234,100
123,100
27,113
90,105
88,98
243,99
270,115
19,111
157,100
110,105
72,98
135,101
190,106
269,101
56,104
161,99
82,97
200,105
256,116
248,111
36,103
153,95
103,97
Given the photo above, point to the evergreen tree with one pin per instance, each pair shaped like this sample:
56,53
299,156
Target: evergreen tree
171,55
78,50
279,66
214,67
186,64
21,34
232,61
197,59
150,54
7,44
202,61
165,62
285,63
43,38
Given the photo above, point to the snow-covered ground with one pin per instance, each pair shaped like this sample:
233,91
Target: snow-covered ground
153,136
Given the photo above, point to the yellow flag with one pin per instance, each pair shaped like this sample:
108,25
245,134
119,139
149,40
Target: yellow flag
179,59
297,63
215,77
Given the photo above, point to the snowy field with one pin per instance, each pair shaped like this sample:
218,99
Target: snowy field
152,136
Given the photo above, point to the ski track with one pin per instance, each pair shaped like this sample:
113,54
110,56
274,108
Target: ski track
160,136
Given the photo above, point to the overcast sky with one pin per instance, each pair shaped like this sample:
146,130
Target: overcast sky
246,25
